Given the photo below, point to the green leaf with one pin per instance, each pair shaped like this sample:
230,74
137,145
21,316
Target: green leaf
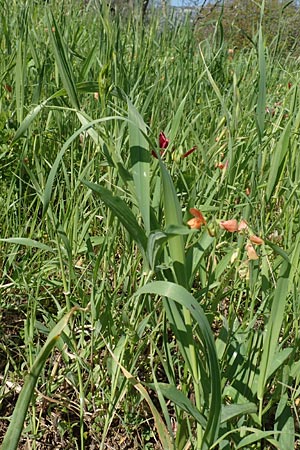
173,217
181,296
284,422
123,212
172,393
231,411
62,60
277,160
140,162
273,328
15,428
28,243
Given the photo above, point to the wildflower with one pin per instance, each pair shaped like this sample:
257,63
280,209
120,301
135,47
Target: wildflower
247,191
243,225
229,225
256,239
197,221
163,142
96,95
189,152
251,253
221,165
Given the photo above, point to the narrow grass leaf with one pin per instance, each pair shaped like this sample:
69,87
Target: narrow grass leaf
28,243
162,430
62,60
123,212
13,433
277,160
273,328
261,100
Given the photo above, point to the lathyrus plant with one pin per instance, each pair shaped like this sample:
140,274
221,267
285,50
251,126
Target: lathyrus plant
168,274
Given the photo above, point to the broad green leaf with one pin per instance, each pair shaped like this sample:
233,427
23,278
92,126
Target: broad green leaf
140,162
284,422
173,217
181,296
231,411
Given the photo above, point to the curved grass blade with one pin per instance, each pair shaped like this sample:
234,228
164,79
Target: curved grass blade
15,428
28,243
181,296
273,329
62,60
162,430
123,212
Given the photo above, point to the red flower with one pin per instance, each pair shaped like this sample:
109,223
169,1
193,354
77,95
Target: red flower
163,142
189,152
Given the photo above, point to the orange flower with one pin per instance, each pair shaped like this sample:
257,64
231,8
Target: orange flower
221,165
229,225
198,219
256,240
252,255
243,225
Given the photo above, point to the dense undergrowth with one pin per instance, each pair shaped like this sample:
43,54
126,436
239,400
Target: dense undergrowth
139,329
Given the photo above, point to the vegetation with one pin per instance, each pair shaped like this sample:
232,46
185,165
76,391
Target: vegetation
149,251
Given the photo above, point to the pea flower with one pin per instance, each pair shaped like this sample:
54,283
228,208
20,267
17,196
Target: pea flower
197,221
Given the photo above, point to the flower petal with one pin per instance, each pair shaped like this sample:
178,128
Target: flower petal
243,225
163,142
229,225
252,255
195,223
256,239
189,152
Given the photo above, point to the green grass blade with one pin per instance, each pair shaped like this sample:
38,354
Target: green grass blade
277,160
123,212
181,296
15,428
28,243
273,328
62,60
173,216
140,162
162,430
261,101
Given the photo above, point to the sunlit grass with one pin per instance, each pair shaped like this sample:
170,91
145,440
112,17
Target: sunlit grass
177,337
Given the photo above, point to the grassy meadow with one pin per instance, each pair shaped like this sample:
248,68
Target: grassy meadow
149,234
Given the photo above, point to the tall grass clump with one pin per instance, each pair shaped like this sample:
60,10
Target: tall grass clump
149,240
